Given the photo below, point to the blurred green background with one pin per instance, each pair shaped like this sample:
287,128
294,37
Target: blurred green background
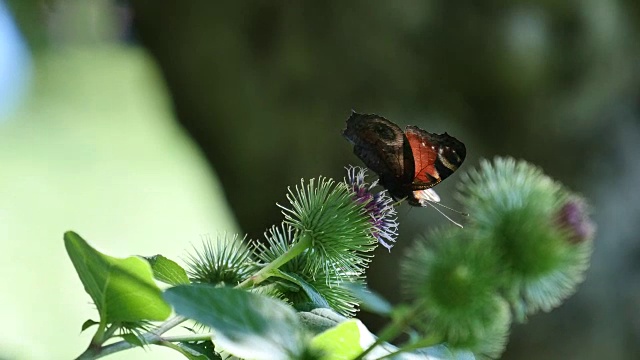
144,125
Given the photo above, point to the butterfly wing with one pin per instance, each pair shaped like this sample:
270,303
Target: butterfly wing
383,148
436,156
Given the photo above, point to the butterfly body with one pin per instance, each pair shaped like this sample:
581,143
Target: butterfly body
406,162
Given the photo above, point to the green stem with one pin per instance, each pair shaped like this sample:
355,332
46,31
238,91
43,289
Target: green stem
95,351
391,331
188,338
388,333
151,337
98,337
304,243
110,331
177,348
424,343
97,340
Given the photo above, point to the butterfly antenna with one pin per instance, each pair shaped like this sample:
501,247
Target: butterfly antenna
443,214
397,203
450,209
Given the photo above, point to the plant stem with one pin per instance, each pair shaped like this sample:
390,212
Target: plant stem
188,338
177,348
388,333
101,335
391,331
98,337
429,341
151,337
110,331
304,243
96,351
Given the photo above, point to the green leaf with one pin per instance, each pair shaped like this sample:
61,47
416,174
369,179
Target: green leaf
247,325
320,319
371,301
123,290
442,352
89,323
191,356
131,339
167,271
341,342
317,300
205,349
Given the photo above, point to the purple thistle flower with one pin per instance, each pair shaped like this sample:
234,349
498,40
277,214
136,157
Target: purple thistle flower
379,206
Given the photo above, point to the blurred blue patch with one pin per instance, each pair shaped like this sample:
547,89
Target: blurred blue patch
15,64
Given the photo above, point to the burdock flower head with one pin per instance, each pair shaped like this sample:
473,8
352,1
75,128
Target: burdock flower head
329,232
342,221
379,206
525,249
541,230
451,277
224,260
573,216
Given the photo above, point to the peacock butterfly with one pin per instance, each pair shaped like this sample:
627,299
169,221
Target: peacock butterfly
408,163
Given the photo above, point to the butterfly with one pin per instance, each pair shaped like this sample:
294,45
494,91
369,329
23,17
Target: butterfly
407,163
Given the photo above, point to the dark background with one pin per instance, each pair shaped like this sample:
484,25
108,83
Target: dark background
264,89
